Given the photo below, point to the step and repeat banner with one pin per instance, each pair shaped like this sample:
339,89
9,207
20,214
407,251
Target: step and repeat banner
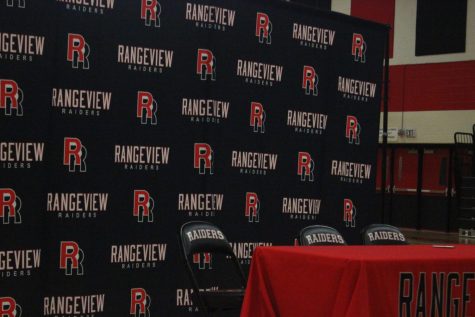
121,120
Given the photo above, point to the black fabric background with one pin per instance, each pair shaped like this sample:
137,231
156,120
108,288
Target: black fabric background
122,25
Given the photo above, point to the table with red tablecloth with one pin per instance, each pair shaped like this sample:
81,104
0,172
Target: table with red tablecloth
354,281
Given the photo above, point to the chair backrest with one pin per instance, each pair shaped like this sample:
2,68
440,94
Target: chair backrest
201,236
382,234
463,138
204,237
464,160
320,235
464,157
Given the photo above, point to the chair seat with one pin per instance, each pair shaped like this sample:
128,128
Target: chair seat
223,299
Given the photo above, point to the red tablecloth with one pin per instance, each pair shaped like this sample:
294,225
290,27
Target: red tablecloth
353,281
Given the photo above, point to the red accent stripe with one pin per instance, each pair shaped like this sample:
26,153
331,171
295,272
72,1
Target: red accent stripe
430,87
381,11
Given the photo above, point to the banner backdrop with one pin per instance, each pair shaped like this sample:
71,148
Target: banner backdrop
121,120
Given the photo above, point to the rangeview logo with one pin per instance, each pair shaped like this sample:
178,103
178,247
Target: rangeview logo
10,206
74,155
140,157
252,207
258,73
351,172
200,204
358,48
305,167
203,260
147,108
210,17
254,163
205,110
301,208
19,155
74,305
81,102
440,299
355,89
145,59
20,47
203,159
184,298
150,11
77,205
307,122
140,303
78,51
263,28
353,130
19,263
9,307
11,98
349,213
71,258
245,250
310,81
312,36
257,118
88,6
206,64
138,256
143,206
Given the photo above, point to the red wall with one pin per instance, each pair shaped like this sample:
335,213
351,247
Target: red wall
425,87
381,11
421,87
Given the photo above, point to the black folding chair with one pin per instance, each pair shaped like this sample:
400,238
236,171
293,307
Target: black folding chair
197,237
320,235
381,234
